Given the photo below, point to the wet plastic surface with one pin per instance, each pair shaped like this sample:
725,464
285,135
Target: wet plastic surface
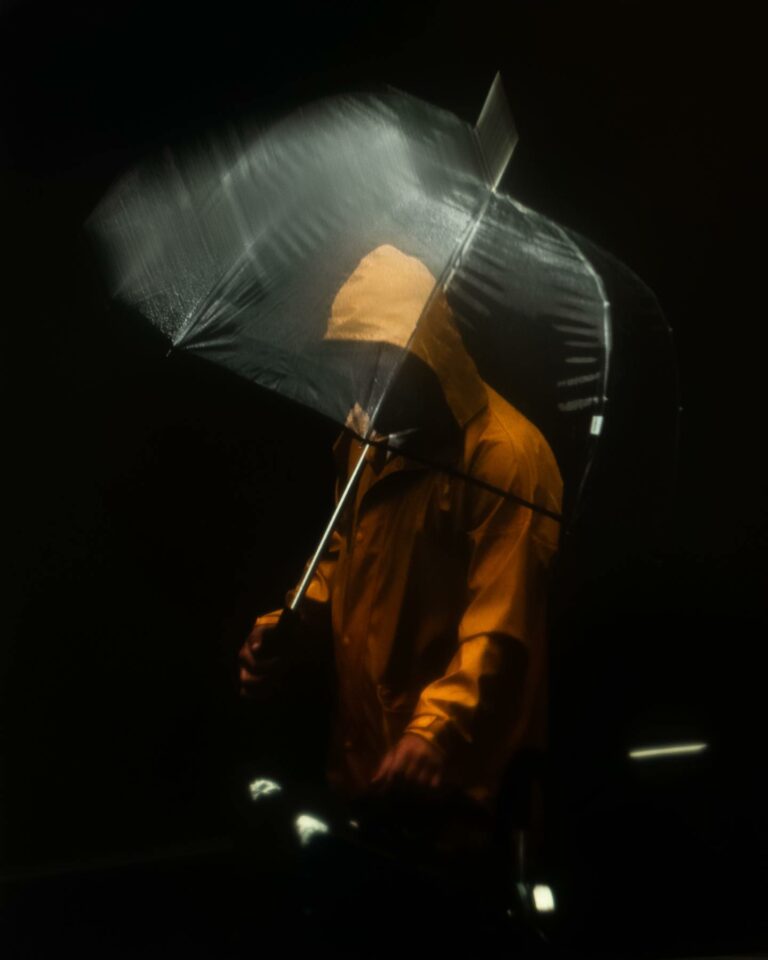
237,248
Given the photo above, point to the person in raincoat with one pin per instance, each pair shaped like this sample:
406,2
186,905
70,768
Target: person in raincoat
434,586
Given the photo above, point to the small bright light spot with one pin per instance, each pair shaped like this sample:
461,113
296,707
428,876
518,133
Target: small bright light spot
263,788
543,898
647,753
596,427
354,824
308,827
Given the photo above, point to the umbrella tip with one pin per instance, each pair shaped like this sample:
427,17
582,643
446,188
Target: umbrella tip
496,132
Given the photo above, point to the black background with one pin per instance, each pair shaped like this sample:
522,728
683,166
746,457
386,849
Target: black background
154,506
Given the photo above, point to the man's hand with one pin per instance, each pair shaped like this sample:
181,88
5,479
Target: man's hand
259,676
412,764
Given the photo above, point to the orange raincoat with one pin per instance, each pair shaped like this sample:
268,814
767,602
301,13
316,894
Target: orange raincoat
435,586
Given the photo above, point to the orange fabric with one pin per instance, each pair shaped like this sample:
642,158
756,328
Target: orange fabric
436,587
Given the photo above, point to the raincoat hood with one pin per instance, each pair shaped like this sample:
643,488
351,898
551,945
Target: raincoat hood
391,298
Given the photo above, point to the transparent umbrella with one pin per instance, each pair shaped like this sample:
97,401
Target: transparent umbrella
237,250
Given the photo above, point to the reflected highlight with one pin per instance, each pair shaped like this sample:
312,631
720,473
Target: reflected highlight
648,753
543,898
308,827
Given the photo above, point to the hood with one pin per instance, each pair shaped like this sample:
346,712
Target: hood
384,301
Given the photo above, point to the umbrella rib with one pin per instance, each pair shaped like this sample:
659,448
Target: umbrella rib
460,475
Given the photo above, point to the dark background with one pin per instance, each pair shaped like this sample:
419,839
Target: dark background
154,506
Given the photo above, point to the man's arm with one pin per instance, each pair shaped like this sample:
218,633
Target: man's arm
472,715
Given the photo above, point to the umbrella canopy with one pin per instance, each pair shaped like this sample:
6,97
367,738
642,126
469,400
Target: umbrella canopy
238,249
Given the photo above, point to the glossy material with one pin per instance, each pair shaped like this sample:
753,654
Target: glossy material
237,248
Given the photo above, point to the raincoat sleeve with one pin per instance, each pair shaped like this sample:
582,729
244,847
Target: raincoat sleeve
487,690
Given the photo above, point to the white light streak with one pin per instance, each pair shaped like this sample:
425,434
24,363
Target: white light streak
543,898
263,788
309,827
648,753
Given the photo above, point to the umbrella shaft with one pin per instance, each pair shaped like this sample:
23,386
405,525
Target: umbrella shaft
342,502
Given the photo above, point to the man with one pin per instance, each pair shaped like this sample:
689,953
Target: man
434,585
